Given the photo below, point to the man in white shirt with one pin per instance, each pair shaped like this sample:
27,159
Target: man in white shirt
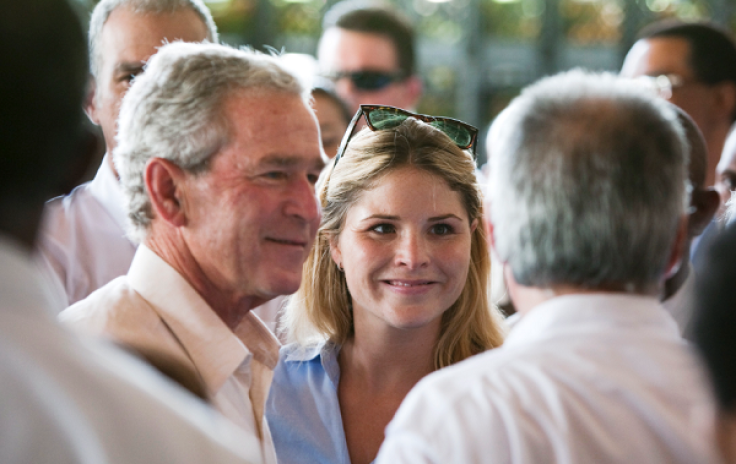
83,240
588,197
218,154
64,400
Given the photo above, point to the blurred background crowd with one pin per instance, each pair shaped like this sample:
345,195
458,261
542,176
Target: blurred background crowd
474,56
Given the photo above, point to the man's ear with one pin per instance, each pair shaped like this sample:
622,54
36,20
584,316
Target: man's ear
704,204
678,247
163,181
489,233
89,101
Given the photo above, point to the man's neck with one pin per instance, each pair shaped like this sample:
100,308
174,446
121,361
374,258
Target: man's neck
526,298
231,308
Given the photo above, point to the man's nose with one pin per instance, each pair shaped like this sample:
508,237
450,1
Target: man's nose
303,201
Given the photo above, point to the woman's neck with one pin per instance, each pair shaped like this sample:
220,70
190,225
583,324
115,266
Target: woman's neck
390,358
378,367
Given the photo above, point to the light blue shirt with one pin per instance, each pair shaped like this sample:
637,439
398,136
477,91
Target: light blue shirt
302,409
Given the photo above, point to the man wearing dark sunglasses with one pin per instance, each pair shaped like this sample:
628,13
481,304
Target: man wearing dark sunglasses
368,51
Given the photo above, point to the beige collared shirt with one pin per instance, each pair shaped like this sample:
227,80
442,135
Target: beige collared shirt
154,308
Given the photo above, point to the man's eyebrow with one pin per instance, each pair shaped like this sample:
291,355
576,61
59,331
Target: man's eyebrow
288,161
129,68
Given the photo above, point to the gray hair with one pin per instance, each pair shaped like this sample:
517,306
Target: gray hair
103,10
588,183
174,111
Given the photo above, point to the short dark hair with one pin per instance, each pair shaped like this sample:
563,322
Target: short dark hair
714,325
326,88
712,49
44,54
376,18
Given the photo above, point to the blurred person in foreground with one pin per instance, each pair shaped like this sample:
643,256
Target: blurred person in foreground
692,65
715,333
367,49
588,215
394,289
65,400
83,241
218,154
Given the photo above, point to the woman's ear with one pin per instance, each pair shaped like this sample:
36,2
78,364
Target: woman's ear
473,225
335,250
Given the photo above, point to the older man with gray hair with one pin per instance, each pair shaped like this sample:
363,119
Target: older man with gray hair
82,240
588,215
218,153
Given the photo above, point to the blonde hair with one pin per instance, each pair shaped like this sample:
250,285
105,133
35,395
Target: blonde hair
321,308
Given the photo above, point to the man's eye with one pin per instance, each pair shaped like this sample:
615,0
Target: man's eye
275,175
442,229
730,183
383,229
313,178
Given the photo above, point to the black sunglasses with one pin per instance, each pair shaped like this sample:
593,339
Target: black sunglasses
368,80
387,117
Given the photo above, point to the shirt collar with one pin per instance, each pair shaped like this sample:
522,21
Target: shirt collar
106,188
213,348
326,351
589,313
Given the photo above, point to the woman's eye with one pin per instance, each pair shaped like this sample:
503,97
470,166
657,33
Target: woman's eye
442,229
383,229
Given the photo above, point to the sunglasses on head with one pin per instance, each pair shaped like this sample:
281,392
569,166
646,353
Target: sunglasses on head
388,117
368,80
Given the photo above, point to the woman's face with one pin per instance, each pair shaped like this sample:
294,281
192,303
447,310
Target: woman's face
405,250
332,124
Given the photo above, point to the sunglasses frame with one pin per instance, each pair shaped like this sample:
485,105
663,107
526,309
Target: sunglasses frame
365,110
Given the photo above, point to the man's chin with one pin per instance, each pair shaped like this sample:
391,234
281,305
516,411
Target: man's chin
281,284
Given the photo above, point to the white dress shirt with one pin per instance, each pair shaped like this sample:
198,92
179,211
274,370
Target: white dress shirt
65,400
153,308
83,244
82,239
601,378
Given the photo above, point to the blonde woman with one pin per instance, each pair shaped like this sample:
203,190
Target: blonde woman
395,287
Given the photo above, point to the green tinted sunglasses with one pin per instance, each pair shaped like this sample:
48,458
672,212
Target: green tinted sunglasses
387,117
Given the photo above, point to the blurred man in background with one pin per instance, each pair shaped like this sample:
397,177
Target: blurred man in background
368,50
694,67
704,201
83,239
